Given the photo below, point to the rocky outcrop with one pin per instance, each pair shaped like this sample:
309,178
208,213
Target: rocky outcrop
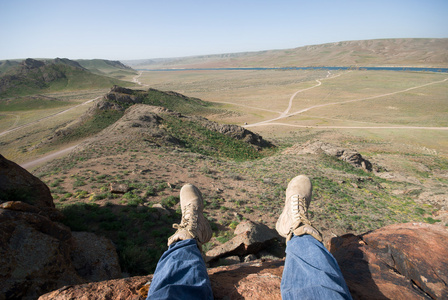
250,238
347,155
236,132
254,280
37,253
124,95
401,261
30,63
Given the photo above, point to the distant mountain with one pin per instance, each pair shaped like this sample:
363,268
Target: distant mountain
107,67
383,52
37,76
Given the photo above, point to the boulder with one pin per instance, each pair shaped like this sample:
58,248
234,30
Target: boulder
17,184
98,261
250,238
34,255
37,253
119,188
401,261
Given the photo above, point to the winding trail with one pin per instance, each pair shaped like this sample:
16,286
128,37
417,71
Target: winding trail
135,79
47,117
286,113
48,157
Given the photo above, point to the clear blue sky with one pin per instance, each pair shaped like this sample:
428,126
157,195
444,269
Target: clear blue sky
138,29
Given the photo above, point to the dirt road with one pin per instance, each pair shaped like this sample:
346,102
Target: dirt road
47,117
286,113
135,79
46,158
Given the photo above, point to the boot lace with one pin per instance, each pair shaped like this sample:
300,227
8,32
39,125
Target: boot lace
299,211
189,220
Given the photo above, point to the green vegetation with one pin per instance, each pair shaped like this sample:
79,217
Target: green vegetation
32,103
94,124
197,138
170,201
140,239
176,102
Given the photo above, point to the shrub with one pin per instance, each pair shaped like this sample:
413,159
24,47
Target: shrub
170,201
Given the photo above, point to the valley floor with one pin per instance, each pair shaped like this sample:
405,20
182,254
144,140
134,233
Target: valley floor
397,120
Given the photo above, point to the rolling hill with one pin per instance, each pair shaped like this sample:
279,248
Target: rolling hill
382,52
107,67
35,76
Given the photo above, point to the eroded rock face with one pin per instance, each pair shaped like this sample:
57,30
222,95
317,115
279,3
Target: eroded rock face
401,261
347,155
237,132
123,95
37,253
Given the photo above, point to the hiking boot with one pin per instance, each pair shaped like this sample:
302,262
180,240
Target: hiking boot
294,218
193,224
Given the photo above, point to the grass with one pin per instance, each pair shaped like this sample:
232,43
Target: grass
91,126
198,139
139,243
27,103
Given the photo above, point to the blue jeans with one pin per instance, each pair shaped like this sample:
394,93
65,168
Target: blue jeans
181,274
310,272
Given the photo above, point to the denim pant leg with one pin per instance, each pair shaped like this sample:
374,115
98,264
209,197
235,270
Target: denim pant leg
181,274
311,272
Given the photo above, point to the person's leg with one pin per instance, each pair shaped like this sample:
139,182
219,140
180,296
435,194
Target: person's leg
181,274
310,272
181,271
